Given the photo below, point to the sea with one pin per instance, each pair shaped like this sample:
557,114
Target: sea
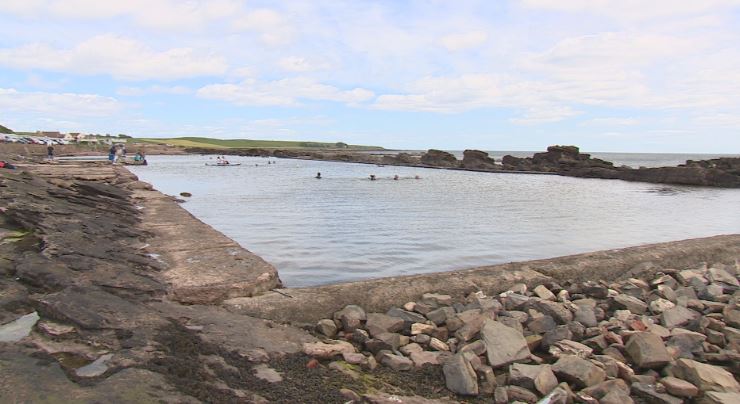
344,227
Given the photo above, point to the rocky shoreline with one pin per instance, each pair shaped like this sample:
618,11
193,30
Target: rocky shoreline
112,292
557,160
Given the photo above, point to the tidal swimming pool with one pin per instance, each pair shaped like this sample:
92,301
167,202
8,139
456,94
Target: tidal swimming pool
345,227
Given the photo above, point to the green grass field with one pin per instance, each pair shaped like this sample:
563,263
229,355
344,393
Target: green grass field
247,143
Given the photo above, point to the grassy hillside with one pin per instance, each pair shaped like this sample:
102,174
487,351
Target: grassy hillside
3,129
247,143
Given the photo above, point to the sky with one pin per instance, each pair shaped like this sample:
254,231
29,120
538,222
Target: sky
606,75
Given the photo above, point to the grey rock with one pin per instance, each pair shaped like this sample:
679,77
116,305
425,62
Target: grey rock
541,324
439,316
396,362
427,358
378,323
687,343
504,345
647,350
677,316
544,293
648,393
585,316
460,376
602,389
556,310
630,303
557,334
715,397
266,373
436,299
407,316
578,371
327,327
705,376
595,290
722,276
351,317
519,394
533,377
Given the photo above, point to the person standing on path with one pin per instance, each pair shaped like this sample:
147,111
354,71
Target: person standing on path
49,151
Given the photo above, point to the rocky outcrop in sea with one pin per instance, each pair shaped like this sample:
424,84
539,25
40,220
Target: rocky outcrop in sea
559,160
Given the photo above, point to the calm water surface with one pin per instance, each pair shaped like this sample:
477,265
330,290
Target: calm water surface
344,227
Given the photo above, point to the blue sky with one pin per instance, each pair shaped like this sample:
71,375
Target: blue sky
607,75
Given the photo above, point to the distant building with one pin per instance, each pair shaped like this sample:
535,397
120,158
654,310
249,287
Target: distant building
54,135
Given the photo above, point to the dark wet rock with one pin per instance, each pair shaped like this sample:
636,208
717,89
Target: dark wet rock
440,315
477,160
460,376
407,316
43,273
647,350
439,158
504,345
541,324
578,371
92,308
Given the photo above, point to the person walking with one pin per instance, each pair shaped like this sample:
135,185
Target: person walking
49,151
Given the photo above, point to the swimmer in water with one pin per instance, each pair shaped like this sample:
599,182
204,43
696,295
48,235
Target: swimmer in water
372,177
318,176
395,177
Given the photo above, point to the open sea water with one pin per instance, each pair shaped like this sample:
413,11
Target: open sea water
345,227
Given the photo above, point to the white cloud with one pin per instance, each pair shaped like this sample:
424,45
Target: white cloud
57,104
545,114
285,92
468,40
161,14
153,89
633,9
300,64
611,121
719,120
270,24
117,56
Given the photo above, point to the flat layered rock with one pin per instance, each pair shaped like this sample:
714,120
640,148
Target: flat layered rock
504,345
202,265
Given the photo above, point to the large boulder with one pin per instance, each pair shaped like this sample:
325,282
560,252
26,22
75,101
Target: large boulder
439,158
580,372
477,160
460,376
647,350
504,345
705,376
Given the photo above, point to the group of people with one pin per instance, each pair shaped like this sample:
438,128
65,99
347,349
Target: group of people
373,177
221,160
117,154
